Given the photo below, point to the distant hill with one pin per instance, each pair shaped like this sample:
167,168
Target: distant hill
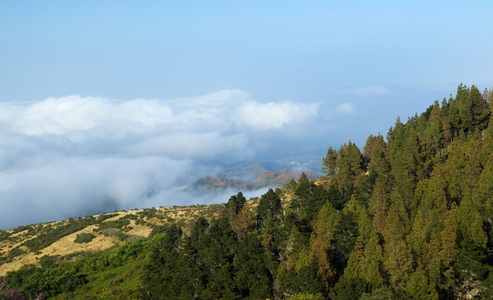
213,184
281,178
308,162
246,173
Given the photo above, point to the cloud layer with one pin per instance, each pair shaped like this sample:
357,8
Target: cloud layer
74,155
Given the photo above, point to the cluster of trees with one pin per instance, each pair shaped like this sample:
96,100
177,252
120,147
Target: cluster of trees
410,217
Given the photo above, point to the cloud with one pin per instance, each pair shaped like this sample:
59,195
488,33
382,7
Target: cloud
346,109
72,156
83,185
190,144
275,115
369,90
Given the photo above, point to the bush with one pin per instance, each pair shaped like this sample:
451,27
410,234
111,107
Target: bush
84,238
113,232
6,292
16,252
4,235
120,223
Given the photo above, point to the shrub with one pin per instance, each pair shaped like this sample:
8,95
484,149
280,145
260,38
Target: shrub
16,294
120,223
84,238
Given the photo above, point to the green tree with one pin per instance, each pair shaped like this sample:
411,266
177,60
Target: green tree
398,262
329,163
320,242
252,277
433,132
477,110
420,287
349,164
269,206
350,285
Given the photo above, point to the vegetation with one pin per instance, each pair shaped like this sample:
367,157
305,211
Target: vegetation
410,217
84,238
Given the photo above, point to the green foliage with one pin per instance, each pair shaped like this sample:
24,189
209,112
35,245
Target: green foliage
119,223
349,165
6,293
4,235
84,238
269,206
51,235
306,297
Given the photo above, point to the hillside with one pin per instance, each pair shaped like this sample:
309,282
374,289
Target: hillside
26,245
214,184
409,217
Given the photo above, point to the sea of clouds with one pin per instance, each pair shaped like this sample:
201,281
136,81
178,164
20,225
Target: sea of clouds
73,156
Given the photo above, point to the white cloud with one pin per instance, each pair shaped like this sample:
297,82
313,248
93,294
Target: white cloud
74,155
369,90
275,115
346,109
83,185
196,145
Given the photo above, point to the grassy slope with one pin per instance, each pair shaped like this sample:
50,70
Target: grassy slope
122,281
14,254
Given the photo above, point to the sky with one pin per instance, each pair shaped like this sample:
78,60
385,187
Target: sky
102,101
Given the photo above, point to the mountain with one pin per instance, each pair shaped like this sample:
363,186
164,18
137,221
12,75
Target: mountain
276,179
213,184
309,162
246,173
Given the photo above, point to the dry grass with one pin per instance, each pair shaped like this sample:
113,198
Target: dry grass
61,247
186,215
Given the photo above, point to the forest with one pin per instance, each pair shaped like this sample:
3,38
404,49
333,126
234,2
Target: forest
408,217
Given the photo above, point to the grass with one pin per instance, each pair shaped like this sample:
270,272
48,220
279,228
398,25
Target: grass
58,238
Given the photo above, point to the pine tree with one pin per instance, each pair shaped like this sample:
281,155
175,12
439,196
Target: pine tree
320,242
329,163
477,110
349,164
420,287
371,263
350,284
433,131
398,262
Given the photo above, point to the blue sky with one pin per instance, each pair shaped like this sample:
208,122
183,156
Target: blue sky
140,83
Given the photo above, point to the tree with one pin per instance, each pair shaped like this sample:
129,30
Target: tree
433,132
349,164
398,262
269,206
253,278
477,110
163,265
420,287
461,102
320,242
371,263
329,163
303,178
235,204
375,153
350,285
242,222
